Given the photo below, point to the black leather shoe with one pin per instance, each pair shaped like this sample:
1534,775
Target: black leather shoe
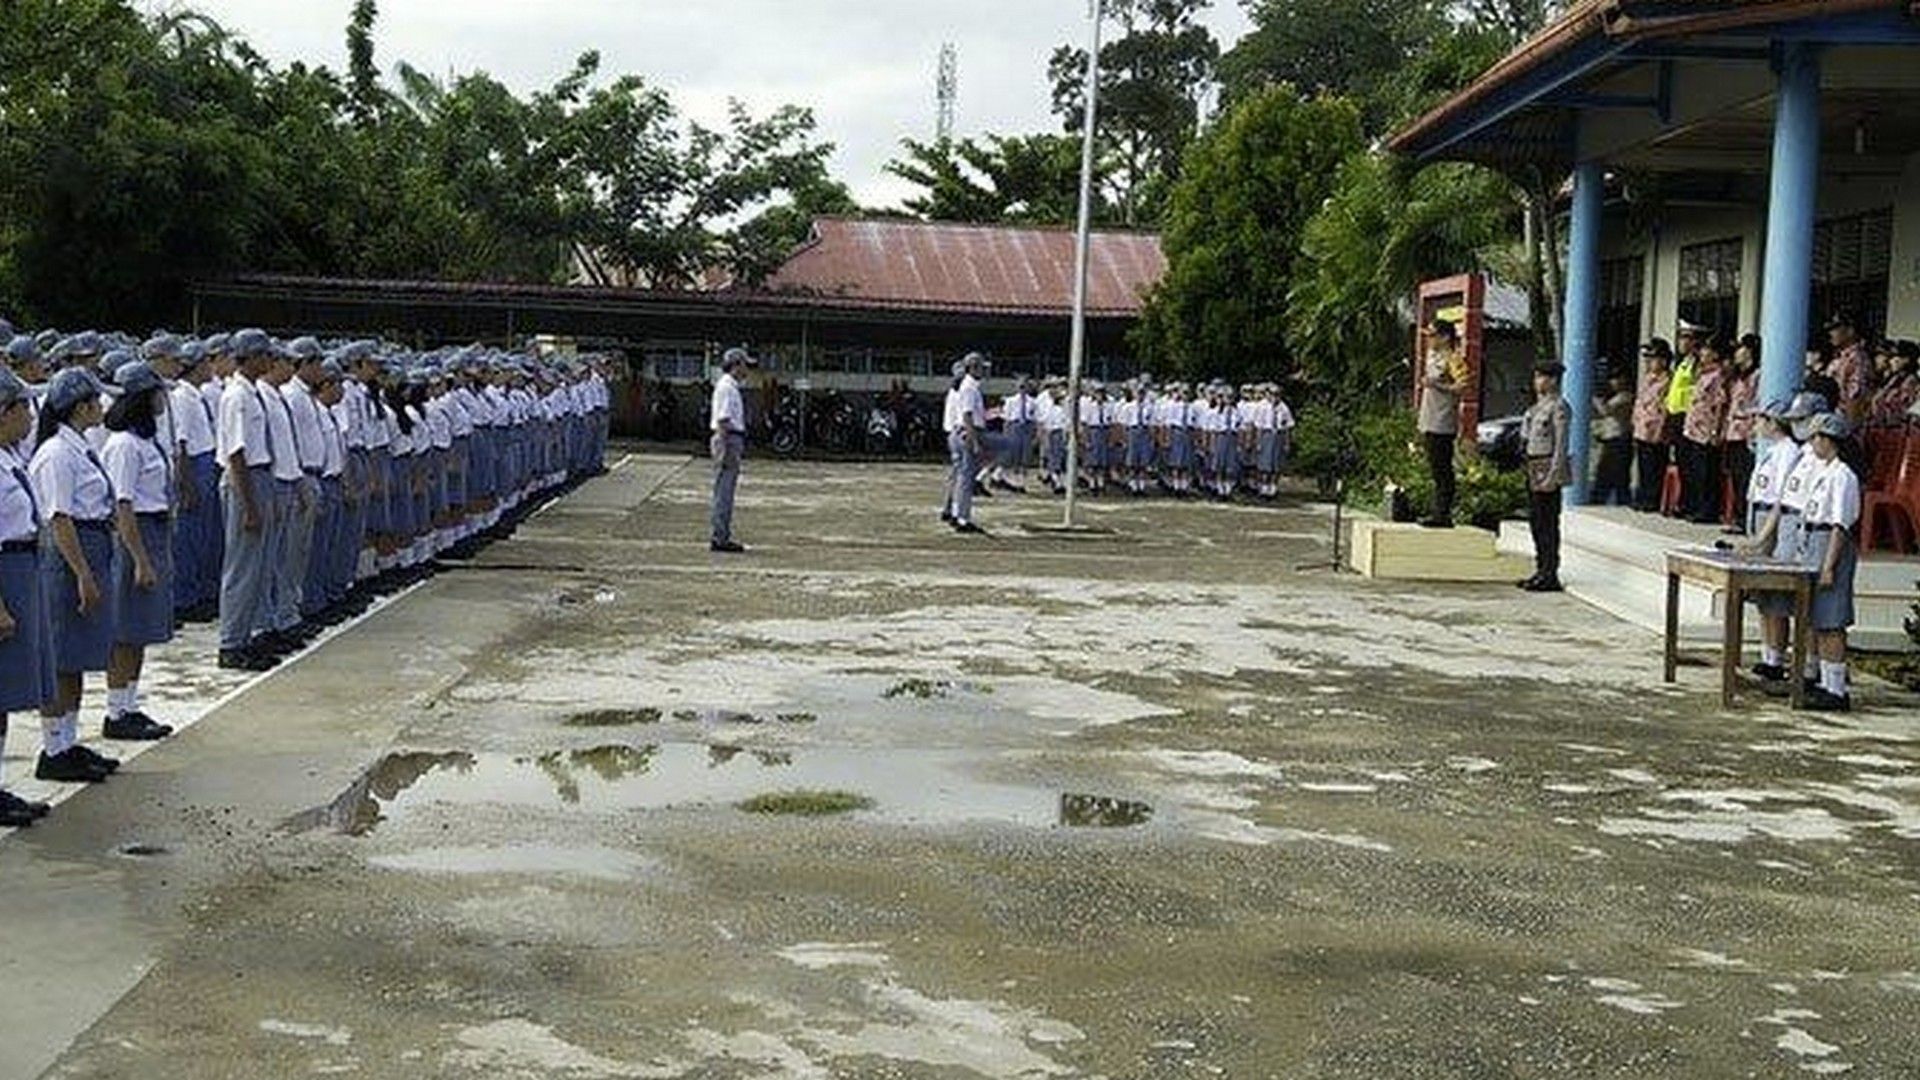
968,527
1769,673
727,547
68,767
13,806
946,517
1545,585
135,727
1527,583
1819,699
97,759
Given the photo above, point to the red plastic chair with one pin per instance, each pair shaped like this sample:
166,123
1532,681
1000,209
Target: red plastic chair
1897,507
1884,449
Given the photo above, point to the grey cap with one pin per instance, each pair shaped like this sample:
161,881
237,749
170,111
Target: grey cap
11,388
115,359
161,347
219,344
138,377
737,357
1831,424
303,349
23,350
1805,405
249,345
332,369
70,387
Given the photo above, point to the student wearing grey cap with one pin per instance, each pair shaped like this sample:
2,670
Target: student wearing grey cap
75,500
727,420
1827,547
26,660
1775,497
141,591
246,502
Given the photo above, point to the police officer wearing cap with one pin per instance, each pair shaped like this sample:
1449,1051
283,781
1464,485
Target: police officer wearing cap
26,661
1549,470
727,420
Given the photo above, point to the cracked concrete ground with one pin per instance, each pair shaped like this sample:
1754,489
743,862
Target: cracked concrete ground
1152,804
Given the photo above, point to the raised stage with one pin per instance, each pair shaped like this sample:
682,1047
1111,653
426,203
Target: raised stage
1615,559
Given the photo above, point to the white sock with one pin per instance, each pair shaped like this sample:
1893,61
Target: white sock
3,753
70,728
51,742
1773,657
119,702
1833,678
1812,669
133,695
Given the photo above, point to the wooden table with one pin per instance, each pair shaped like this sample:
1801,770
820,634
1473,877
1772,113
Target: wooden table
1737,575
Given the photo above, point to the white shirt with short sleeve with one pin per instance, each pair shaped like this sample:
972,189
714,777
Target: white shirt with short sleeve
1770,474
192,419
141,473
281,439
17,521
727,413
1793,497
68,479
243,423
971,402
1834,498
304,410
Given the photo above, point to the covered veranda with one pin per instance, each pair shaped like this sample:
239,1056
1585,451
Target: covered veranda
1777,104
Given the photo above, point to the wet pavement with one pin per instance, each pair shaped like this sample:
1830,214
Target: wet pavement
881,801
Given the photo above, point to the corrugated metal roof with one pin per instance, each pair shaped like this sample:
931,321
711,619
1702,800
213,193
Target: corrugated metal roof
1002,268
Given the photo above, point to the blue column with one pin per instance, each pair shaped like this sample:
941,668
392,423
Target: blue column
1581,323
1786,287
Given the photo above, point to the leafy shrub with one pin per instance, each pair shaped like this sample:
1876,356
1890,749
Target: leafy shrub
1388,453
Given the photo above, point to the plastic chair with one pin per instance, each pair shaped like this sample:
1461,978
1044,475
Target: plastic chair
1898,507
1884,448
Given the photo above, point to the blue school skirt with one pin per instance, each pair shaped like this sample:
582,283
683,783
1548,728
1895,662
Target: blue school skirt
1833,606
26,660
1267,451
1786,547
1097,446
378,479
1179,448
144,616
80,643
1139,448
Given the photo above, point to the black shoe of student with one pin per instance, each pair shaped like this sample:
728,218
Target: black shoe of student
981,491
33,810
968,527
1545,585
1527,583
99,760
1820,699
14,813
726,547
946,517
135,727
69,767
1436,523
1772,673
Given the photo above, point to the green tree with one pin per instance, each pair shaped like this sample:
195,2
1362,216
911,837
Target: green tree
1233,234
1155,76
1349,48
1029,179
1387,226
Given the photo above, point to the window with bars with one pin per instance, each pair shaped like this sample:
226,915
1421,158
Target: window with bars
1622,284
1852,267
1710,278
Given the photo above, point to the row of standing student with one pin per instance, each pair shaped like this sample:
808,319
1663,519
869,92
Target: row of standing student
1182,440
269,485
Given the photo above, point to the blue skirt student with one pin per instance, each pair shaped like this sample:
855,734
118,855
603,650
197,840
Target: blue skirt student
26,662
144,616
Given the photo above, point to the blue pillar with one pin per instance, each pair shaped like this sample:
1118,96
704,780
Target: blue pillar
1787,283
1581,323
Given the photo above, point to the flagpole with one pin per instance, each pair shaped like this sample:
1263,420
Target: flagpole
1076,354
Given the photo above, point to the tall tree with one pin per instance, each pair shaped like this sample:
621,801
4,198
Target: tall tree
1030,179
1233,233
1155,77
1350,48
363,75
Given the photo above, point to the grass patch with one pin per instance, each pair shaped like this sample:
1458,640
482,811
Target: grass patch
807,803
918,688
797,718
613,718
1900,669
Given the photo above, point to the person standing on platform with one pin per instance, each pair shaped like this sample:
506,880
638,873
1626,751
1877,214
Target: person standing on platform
1851,368
1704,428
727,420
140,596
1742,392
1827,546
1443,383
1899,391
1613,411
1680,380
26,662
1544,436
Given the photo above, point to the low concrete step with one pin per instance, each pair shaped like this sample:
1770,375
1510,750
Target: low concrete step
1405,552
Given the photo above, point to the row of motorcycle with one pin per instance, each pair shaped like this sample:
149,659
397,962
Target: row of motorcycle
896,423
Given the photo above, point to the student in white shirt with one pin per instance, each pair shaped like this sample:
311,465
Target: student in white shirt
290,528
247,500
76,511
966,417
26,665
141,593
1827,546
196,526
727,421
1785,475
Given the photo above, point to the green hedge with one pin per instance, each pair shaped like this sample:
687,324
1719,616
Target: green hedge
1387,451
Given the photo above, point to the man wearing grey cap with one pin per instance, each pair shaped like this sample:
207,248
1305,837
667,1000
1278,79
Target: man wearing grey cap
728,422
965,417
246,500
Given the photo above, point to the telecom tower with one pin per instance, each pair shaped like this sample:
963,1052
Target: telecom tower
946,91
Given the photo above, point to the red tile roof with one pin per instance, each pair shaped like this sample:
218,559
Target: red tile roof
999,268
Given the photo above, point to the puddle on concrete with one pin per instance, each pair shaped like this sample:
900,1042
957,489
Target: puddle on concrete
923,787
538,860
598,718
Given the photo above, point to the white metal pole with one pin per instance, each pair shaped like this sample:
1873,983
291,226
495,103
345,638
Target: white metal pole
1076,354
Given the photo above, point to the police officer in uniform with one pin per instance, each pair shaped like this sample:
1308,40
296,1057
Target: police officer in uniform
1549,470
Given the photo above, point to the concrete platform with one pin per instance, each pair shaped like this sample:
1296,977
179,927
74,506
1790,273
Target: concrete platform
1405,552
1615,559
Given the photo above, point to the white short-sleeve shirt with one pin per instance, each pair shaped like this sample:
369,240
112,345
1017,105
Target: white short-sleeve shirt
1834,497
17,519
281,438
728,413
243,423
192,419
1793,497
141,472
1770,475
69,479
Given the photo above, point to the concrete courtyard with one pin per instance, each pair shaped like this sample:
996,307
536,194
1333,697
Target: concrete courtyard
1152,804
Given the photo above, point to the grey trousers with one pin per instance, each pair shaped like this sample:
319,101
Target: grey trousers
960,475
243,564
726,450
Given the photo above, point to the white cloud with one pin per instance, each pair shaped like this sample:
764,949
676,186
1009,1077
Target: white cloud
866,67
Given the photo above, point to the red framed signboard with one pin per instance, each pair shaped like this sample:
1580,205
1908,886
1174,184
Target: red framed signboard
1464,298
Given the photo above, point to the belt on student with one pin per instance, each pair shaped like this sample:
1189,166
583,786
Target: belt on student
101,525
16,547
154,515
1822,526
1763,507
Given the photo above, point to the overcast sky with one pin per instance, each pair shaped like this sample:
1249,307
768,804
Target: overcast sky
866,67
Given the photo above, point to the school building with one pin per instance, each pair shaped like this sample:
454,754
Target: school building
1752,165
